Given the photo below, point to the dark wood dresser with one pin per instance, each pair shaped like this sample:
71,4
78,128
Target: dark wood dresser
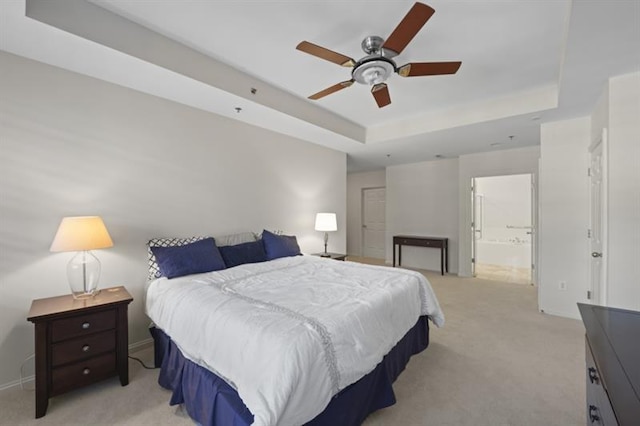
613,365
79,342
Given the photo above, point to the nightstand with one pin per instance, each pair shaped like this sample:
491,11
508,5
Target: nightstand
334,256
79,342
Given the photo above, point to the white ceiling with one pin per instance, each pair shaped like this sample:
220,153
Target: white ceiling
520,60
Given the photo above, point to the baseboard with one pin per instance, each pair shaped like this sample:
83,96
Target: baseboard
562,314
134,347
13,383
142,344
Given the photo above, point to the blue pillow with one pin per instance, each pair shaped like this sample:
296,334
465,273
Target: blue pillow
277,246
195,258
251,252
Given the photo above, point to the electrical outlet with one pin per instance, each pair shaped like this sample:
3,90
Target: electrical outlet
562,285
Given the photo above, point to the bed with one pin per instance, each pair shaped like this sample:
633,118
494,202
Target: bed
290,340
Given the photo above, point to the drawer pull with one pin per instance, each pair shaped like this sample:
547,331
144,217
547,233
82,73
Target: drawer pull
593,377
85,348
86,371
86,325
593,413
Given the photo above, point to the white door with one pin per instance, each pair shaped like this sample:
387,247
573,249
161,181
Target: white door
597,230
373,222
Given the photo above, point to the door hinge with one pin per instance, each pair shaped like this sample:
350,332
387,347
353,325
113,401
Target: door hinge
533,266
589,294
473,260
589,171
588,233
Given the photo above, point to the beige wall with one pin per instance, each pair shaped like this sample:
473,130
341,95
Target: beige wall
73,145
433,198
564,215
624,192
564,201
422,199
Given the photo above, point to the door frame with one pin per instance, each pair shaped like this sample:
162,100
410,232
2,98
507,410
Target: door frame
474,225
602,292
362,190
534,221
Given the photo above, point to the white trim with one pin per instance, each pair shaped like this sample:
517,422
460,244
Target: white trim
562,314
17,382
134,347
142,344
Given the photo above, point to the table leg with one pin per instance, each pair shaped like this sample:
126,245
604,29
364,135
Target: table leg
399,254
42,389
446,257
394,255
442,260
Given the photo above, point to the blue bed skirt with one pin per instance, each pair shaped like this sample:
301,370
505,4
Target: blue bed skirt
210,401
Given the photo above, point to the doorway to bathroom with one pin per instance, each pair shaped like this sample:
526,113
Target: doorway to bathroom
503,231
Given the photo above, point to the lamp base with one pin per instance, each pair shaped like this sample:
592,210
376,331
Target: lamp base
325,255
85,296
83,272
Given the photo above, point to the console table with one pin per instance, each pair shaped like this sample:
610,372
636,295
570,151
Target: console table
418,241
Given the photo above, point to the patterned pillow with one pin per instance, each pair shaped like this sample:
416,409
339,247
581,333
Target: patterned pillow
195,258
154,269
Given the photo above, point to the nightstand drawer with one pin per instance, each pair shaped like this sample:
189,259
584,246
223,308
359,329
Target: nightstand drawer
82,373
82,325
83,347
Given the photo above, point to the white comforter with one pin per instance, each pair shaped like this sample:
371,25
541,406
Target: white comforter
290,333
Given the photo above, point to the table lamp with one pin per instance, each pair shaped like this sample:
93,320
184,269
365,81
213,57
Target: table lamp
326,222
82,234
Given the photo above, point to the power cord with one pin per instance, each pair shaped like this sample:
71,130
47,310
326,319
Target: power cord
22,371
142,363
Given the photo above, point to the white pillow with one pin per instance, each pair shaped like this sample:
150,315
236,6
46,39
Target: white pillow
233,239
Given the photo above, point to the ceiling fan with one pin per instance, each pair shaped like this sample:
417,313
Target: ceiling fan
375,68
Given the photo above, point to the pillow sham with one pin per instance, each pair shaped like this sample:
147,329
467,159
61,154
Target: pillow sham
250,252
276,246
154,269
193,258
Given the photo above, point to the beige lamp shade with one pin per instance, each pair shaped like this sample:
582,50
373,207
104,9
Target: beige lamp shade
81,233
326,222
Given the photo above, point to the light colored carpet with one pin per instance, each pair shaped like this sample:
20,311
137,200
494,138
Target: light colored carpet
497,361
511,274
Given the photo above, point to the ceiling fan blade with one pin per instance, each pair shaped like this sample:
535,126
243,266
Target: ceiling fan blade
332,89
407,29
416,69
381,94
326,54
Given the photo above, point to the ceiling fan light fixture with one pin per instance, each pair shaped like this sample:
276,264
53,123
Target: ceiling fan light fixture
373,71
